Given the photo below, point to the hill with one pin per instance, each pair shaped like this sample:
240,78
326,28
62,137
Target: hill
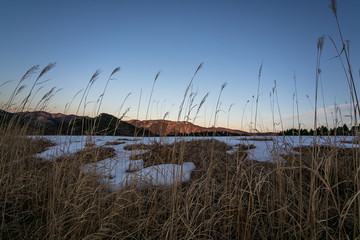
105,124
171,128
40,122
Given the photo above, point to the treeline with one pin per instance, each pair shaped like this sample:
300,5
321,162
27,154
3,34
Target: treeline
343,130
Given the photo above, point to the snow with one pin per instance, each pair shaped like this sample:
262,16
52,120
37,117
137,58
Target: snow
271,148
165,174
120,171
159,175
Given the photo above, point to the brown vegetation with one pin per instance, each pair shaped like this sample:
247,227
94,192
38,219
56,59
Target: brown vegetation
314,194
93,154
114,143
227,196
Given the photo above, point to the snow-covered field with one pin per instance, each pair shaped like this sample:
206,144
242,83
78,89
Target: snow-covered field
120,171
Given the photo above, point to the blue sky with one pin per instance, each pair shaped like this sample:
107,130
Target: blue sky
231,38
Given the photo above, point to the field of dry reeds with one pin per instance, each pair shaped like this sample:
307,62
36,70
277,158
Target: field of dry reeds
228,196
314,194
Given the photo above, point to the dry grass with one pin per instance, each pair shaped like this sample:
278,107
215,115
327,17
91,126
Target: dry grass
354,141
227,196
314,194
114,143
93,154
20,147
242,147
255,139
47,200
137,146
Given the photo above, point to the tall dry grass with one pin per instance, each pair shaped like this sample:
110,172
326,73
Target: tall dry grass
311,195
227,197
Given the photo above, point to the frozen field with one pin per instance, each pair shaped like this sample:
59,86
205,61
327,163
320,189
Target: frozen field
120,171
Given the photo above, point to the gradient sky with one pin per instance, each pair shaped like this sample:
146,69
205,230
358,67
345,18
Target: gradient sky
231,38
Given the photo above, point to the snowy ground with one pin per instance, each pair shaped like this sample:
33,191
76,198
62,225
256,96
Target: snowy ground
120,171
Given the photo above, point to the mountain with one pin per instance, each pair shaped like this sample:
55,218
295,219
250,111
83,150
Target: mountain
106,124
49,119
171,128
40,122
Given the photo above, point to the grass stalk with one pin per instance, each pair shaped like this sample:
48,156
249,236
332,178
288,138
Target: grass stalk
257,96
152,89
187,90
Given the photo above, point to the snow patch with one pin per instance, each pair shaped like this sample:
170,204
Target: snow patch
120,173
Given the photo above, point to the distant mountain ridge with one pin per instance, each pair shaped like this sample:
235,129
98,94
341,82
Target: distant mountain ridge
40,122
106,124
170,128
50,118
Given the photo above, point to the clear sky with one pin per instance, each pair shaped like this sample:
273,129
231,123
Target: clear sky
231,38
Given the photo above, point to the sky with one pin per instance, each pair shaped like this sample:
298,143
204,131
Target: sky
231,38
